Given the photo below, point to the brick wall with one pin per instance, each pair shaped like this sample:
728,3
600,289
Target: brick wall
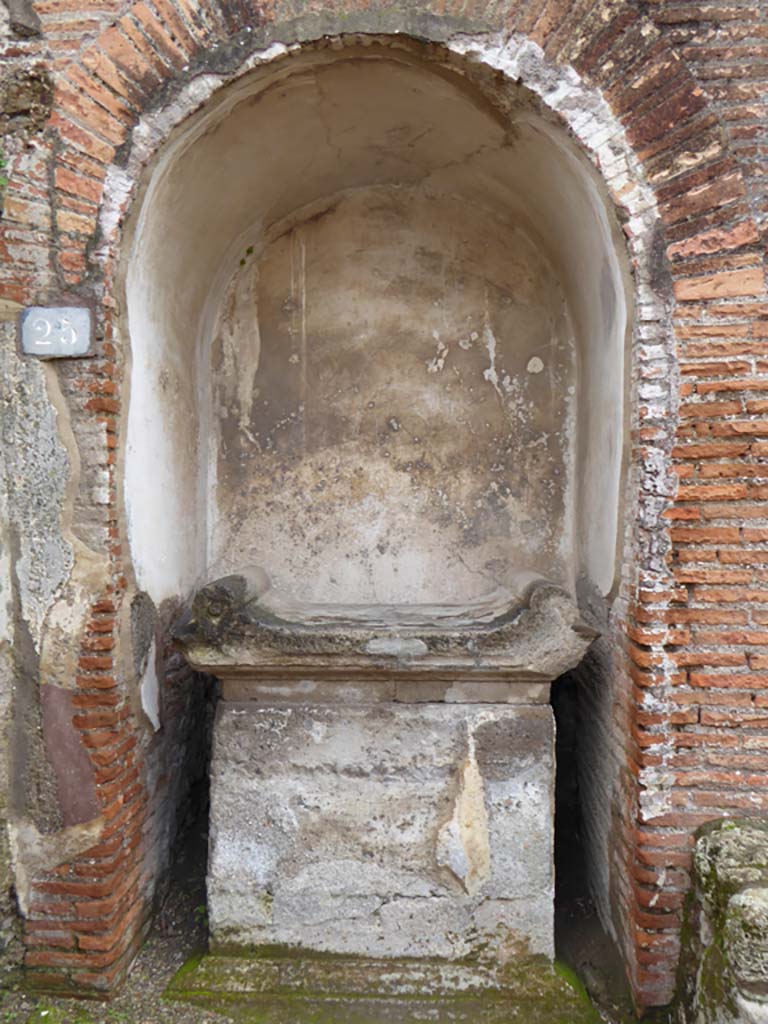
675,702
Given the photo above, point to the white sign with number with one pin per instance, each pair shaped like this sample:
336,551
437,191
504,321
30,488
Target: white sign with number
55,333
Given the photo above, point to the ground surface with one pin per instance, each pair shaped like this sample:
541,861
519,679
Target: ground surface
180,932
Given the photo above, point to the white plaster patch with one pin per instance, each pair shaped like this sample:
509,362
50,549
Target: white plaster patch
118,187
34,852
150,689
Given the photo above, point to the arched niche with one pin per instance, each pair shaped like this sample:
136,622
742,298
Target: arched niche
378,309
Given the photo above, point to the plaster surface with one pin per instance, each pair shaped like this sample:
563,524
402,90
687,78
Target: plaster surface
277,171
393,383
383,830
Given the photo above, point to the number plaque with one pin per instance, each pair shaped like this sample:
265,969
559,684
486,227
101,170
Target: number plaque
56,332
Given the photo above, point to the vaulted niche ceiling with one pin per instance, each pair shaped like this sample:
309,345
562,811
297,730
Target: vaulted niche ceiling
378,317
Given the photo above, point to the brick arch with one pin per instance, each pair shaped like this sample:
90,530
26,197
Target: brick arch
151,50
154,49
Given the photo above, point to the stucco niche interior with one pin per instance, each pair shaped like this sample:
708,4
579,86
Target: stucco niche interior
378,311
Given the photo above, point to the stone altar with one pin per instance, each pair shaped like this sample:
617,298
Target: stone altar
382,776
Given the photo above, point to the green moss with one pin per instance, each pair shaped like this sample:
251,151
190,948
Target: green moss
570,978
187,968
289,986
45,1013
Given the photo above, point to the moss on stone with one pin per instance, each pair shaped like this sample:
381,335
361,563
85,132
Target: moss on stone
289,986
729,858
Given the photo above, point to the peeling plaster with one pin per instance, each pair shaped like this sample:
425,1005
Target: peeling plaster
37,475
67,615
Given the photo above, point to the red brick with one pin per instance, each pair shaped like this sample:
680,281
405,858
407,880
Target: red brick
107,757
96,682
747,637
714,450
137,70
705,534
703,616
676,108
732,470
731,384
102,698
169,49
726,285
104,907
714,368
695,555
101,94
700,697
108,940
78,889
737,680
731,594
89,114
170,13
755,428
50,938
78,184
717,240
649,637
707,658
711,492
40,958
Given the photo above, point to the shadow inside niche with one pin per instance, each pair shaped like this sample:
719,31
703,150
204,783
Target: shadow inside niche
580,940
182,914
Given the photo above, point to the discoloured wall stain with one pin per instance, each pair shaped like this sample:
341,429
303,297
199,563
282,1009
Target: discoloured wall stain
381,438
238,177
68,612
71,764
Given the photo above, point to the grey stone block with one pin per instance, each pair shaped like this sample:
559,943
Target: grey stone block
724,963
383,829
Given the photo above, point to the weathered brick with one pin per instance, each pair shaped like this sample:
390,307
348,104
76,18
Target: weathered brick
705,534
716,286
714,241
711,492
